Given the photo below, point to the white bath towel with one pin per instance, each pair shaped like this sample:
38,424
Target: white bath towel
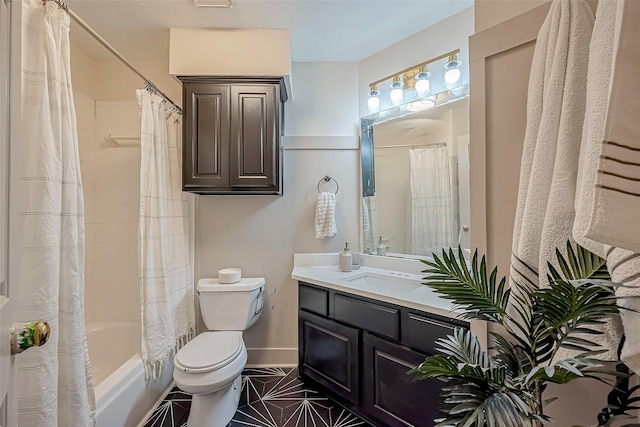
605,211
555,112
598,89
616,207
325,224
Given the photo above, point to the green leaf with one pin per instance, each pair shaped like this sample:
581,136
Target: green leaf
481,296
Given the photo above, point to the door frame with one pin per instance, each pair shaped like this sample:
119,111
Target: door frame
9,411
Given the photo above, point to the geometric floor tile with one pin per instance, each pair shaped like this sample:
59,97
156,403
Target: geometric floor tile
271,397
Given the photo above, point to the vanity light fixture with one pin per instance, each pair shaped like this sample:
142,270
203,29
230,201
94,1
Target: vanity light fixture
452,72
373,103
397,91
415,77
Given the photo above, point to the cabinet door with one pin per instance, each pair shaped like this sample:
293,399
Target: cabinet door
206,136
390,394
255,136
329,355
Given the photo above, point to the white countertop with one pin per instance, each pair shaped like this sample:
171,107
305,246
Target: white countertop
322,269
400,282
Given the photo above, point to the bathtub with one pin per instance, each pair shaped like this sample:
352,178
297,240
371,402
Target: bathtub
123,397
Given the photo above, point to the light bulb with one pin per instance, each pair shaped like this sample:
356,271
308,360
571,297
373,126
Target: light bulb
452,72
452,76
373,103
422,83
397,93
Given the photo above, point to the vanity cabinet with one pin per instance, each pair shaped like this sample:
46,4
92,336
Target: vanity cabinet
232,132
359,351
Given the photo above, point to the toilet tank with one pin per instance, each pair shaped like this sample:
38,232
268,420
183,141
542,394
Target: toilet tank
230,307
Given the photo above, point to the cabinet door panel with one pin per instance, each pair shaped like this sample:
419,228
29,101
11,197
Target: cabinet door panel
254,136
329,354
393,396
206,136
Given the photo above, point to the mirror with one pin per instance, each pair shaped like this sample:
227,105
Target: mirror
415,167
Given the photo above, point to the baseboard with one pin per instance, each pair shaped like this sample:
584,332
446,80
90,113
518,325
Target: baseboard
272,357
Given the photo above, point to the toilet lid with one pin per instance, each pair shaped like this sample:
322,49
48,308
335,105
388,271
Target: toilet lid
209,351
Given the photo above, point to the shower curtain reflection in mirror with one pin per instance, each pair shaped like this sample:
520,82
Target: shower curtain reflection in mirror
433,215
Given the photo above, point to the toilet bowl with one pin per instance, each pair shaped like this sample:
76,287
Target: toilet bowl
210,366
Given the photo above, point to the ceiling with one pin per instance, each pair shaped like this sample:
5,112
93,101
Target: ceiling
321,30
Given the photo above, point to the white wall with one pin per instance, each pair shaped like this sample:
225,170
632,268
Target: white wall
112,217
260,234
110,179
104,94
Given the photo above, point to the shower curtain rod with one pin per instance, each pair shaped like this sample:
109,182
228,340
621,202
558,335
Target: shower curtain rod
440,144
148,83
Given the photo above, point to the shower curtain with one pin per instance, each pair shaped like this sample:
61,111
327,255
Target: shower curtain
165,253
54,385
433,218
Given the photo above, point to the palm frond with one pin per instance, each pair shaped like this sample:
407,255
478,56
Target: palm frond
563,371
480,295
471,406
579,264
462,357
570,309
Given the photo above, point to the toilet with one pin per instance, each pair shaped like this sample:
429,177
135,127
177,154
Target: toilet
210,365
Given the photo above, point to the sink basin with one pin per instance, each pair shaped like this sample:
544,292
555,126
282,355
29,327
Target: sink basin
398,284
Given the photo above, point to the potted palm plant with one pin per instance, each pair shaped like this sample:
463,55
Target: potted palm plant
504,387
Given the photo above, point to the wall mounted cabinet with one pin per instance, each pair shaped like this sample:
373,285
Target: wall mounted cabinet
359,351
232,135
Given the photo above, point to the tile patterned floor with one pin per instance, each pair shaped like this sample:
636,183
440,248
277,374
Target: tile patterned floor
271,397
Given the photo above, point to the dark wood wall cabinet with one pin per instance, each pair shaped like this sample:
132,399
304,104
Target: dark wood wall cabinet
232,135
359,351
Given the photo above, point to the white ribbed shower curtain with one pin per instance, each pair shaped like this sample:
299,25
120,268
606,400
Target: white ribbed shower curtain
165,255
54,383
433,218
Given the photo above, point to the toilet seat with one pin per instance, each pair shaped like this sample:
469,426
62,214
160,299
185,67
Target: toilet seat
209,351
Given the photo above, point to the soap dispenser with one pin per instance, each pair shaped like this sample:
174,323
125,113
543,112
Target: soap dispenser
345,259
381,249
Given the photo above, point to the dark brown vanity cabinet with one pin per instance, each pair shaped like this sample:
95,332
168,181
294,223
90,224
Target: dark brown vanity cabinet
360,350
232,132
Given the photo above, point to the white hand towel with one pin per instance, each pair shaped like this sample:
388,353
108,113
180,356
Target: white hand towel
555,113
366,224
616,206
325,225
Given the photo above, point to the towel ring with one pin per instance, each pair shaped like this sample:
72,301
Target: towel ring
327,178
